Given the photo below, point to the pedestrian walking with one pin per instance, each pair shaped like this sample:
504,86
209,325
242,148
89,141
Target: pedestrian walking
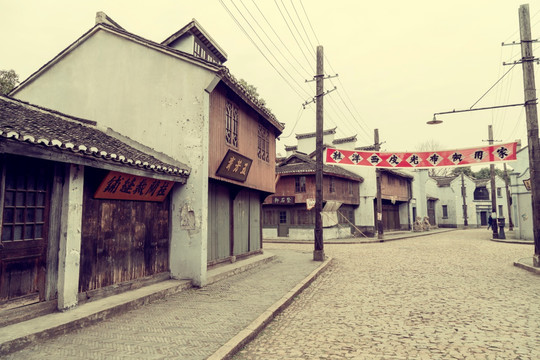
490,222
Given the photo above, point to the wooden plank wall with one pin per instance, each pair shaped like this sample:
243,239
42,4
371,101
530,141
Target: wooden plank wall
286,186
121,240
218,246
261,174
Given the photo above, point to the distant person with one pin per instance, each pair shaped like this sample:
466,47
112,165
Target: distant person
490,222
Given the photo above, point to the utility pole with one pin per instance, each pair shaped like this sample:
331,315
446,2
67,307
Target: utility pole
508,200
464,196
527,60
318,252
378,210
493,190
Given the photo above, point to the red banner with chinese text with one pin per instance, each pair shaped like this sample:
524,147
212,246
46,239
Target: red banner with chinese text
424,159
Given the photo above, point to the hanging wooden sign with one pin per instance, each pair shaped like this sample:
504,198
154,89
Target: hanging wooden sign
234,166
120,186
527,184
424,159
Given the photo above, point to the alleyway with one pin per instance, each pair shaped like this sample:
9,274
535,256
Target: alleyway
450,296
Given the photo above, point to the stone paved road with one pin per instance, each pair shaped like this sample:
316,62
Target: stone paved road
455,295
191,324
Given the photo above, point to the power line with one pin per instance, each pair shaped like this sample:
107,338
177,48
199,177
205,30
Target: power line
262,53
292,33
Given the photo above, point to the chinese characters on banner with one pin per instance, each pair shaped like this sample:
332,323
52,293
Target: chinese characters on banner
423,159
122,186
234,166
283,200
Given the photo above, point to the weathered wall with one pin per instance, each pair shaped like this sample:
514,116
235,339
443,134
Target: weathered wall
155,99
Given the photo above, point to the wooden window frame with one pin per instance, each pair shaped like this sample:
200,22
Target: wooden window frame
300,184
263,143
231,123
24,210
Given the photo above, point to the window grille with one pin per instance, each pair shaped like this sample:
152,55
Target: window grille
231,124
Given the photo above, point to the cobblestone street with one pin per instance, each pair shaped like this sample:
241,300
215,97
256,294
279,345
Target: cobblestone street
445,296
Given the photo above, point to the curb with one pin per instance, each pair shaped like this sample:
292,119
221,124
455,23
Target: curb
526,264
370,241
19,335
40,328
252,330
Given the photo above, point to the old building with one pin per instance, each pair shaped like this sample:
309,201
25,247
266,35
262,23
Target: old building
521,196
396,186
177,98
83,210
450,209
290,213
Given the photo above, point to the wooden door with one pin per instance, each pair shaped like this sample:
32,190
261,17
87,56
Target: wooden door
25,210
431,212
241,222
284,223
391,217
219,245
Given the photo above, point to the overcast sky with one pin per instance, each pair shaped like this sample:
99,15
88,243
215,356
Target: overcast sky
398,61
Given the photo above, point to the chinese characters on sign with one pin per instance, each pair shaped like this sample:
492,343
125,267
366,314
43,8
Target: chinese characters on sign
283,200
424,159
234,166
527,184
122,186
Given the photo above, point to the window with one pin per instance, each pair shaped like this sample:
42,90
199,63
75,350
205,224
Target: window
300,184
25,202
231,124
263,144
282,217
332,185
501,211
481,193
445,211
499,192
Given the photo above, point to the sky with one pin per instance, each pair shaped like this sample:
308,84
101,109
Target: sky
398,62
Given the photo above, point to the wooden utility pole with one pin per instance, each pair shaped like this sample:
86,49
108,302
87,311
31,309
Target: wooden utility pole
318,252
508,199
493,190
464,196
378,209
527,60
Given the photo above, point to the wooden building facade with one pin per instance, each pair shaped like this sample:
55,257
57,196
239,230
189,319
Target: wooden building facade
241,172
291,207
84,214
396,194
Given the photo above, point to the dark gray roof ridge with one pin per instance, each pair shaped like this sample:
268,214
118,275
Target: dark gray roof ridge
19,122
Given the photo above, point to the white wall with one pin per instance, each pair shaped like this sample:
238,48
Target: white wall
521,197
155,99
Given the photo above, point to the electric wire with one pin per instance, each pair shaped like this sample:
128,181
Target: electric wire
262,42
287,58
292,33
258,48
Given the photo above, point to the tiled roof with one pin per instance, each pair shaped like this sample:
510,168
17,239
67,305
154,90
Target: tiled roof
443,180
299,163
197,30
397,173
313,134
37,126
344,140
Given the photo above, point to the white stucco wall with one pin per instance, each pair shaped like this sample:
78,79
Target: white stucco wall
521,197
153,98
